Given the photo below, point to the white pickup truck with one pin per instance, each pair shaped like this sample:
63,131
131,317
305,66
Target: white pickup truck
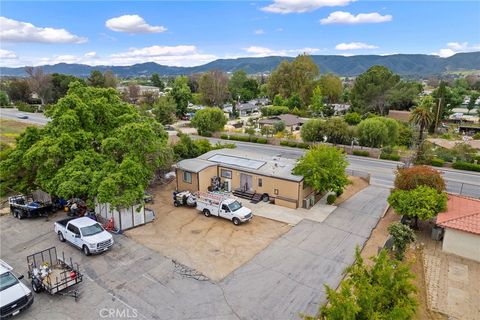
84,233
14,295
224,207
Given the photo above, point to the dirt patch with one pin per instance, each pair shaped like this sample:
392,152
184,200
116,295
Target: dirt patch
212,246
357,184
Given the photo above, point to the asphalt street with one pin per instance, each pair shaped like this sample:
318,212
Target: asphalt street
34,118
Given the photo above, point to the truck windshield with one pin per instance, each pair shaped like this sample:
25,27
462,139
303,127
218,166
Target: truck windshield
234,206
7,280
91,230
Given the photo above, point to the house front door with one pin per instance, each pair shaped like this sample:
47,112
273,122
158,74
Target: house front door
246,182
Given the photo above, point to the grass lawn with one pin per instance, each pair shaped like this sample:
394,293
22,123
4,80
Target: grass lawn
11,129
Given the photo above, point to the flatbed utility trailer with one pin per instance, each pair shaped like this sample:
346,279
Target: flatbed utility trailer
21,208
53,274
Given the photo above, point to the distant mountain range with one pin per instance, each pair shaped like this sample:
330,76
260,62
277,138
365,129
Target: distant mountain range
414,65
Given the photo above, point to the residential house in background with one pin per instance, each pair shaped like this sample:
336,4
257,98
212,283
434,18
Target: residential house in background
292,122
246,109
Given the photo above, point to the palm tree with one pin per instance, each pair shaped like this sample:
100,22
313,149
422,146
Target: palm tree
422,115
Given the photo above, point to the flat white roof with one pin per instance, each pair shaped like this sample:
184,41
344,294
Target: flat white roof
237,161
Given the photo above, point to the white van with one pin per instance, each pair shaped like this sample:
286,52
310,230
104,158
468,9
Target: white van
14,295
218,205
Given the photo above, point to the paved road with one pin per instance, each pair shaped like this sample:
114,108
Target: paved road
34,118
382,171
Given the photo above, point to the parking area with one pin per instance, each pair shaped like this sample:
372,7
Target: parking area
212,246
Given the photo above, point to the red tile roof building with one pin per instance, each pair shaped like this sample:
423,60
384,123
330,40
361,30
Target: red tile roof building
462,214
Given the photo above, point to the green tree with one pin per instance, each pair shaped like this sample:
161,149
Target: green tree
352,118
323,168
473,98
213,86
249,90
313,131
157,82
4,101
19,90
405,135
420,203
332,87
110,80
294,102
60,85
402,236
182,95
422,115
372,132
317,106
96,79
336,130
404,95
209,120
279,126
95,146
383,291
236,83
164,109
444,100
296,77
370,91
278,101
392,127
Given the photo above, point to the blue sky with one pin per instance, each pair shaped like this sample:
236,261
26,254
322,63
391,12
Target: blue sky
192,33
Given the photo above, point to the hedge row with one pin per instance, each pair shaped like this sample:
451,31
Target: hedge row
394,157
294,144
466,166
437,162
362,153
253,139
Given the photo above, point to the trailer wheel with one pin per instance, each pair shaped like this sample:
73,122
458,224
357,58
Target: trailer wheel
236,221
265,197
206,212
86,251
60,236
175,203
36,286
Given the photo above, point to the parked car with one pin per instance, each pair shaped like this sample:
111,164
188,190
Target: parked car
22,116
14,295
85,234
224,207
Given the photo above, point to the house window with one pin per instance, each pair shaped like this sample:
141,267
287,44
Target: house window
260,182
275,191
226,173
187,177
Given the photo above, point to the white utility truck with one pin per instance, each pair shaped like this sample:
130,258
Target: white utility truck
212,204
84,233
14,295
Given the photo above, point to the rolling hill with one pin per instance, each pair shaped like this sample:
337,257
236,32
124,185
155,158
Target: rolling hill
414,65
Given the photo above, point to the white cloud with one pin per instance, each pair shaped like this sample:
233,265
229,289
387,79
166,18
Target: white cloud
456,47
256,51
259,32
354,46
342,17
18,31
7,54
301,6
91,54
132,24
279,29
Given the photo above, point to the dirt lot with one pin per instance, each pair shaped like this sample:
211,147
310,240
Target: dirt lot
357,185
212,246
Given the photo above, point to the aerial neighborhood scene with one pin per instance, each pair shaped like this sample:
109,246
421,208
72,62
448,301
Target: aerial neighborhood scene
253,160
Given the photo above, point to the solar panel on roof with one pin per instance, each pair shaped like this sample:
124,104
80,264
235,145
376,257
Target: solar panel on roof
237,161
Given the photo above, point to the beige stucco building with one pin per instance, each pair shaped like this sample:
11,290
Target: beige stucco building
461,222
240,171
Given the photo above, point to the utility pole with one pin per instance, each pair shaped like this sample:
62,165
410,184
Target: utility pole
438,114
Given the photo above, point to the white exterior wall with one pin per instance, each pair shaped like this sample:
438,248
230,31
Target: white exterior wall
461,243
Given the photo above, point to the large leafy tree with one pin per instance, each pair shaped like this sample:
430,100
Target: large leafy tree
404,95
95,146
60,84
296,77
332,87
383,291
164,109
157,82
323,168
182,94
236,83
209,120
422,115
19,90
213,87
317,105
372,132
413,177
371,89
